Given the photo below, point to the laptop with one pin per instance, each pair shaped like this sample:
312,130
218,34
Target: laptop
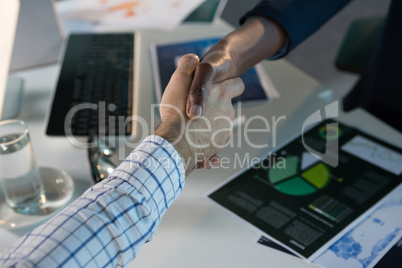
97,86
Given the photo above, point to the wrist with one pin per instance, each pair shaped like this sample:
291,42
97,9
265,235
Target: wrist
223,60
257,39
173,132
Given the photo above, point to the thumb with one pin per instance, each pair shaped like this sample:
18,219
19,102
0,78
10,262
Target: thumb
180,81
199,90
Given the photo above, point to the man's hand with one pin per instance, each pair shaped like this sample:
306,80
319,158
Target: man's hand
196,140
257,39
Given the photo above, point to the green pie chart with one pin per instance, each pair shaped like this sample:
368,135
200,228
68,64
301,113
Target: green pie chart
288,178
330,132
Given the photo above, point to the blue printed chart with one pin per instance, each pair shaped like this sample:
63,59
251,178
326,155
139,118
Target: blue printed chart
365,244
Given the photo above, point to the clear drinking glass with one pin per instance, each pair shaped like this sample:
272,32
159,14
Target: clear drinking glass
19,174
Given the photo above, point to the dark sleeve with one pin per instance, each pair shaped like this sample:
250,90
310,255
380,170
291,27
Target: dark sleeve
298,18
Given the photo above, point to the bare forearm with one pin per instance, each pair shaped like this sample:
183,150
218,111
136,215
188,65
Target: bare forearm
173,133
259,38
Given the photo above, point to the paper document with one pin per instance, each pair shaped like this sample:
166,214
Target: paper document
364,245
305,205
375,154
138,14
367,243
392,258
208,12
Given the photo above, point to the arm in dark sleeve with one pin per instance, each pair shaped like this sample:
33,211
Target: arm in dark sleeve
298,18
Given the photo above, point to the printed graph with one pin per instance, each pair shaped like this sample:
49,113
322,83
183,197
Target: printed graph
289,178
330,208
375,154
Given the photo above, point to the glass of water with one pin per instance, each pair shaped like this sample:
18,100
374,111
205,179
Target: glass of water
19,174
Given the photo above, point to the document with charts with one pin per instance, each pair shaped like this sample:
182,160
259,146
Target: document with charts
207,12
360,247
306,205
124,14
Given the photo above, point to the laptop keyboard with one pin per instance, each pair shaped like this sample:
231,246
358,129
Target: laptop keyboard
96,81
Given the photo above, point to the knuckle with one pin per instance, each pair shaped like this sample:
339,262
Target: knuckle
224,93
196,97
231,113
206,68
187,64
199,94
178,77
239,81
191,57
241,85
234,85
183,73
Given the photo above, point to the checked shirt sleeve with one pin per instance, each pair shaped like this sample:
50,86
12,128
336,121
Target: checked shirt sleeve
110,222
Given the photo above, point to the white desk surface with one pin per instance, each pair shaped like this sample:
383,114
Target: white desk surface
194,232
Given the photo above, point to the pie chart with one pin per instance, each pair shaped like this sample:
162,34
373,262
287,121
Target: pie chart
330,132
298,177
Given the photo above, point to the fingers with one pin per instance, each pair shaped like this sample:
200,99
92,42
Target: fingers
214,161
187,64
180,81
230,88
236,87
183,75
199,90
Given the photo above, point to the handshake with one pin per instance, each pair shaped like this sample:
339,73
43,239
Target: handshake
196,107
197,138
